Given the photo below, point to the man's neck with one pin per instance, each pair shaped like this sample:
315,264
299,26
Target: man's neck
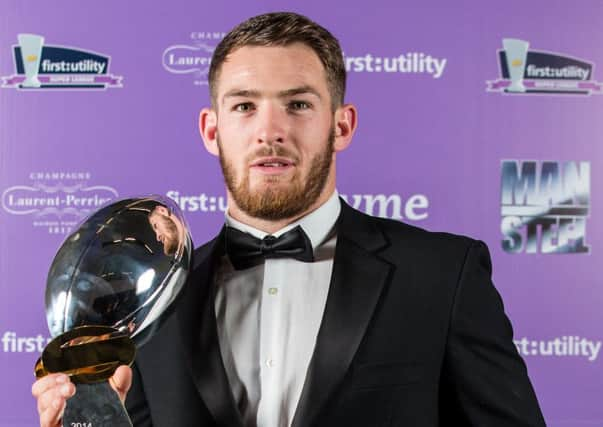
272,226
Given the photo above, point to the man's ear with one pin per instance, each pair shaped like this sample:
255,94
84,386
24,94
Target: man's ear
346,121
208,128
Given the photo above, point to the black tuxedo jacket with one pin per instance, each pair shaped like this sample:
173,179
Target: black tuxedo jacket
413,334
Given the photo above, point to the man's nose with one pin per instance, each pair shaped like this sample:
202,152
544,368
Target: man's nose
272,124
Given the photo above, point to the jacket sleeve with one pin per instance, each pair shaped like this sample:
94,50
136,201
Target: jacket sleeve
136,402
485,380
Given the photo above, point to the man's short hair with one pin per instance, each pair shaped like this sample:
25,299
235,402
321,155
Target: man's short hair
283,29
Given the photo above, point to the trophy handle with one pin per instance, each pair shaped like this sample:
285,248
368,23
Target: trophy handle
95,405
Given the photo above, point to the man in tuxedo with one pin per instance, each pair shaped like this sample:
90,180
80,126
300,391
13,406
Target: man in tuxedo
302,311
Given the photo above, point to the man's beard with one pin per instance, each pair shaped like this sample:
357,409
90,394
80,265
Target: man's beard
171,241
170,234
279,203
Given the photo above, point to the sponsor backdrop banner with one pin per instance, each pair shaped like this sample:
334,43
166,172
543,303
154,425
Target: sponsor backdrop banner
476,119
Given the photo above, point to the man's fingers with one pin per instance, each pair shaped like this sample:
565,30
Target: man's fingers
121,381
52,415
51,393
55,396
48,382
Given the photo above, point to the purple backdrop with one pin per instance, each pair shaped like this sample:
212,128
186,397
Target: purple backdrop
436,146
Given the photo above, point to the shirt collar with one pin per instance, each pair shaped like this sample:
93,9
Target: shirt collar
317,224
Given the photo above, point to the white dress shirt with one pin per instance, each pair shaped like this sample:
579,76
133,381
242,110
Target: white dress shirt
268,318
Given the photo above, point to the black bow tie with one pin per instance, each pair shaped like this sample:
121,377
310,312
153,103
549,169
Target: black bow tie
245,251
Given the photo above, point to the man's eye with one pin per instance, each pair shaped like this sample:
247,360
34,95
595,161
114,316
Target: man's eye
299,105
243,108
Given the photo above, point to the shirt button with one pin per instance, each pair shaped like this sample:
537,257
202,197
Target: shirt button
273,291
270,363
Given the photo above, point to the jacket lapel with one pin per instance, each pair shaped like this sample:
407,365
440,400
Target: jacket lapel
199,333
358,277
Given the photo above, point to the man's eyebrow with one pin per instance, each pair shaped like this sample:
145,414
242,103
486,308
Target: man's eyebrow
244,93
250,93
299,91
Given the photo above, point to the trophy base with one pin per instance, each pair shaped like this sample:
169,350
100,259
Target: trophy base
95,405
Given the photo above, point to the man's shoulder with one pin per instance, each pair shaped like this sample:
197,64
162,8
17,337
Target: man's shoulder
401,231
402,242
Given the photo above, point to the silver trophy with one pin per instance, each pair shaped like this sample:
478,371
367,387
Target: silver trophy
108,289
31,53
516,52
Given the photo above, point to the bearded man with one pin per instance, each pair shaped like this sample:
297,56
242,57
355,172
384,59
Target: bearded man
302,311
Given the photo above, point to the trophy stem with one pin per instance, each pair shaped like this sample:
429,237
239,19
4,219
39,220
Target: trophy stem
95,405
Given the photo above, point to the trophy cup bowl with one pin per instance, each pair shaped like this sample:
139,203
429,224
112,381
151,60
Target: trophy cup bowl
109,287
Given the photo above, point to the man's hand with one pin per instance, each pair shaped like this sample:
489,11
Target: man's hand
52,391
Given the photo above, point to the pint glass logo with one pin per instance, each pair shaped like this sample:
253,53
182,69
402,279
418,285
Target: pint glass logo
56,201
57,67
192,58
530,71
544,206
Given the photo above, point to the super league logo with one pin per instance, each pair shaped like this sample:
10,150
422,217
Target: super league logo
544,206
39,66
525,71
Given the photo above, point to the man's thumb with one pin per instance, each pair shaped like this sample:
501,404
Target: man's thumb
121,381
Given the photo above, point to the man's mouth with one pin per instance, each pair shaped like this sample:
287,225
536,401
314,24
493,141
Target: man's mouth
272,164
